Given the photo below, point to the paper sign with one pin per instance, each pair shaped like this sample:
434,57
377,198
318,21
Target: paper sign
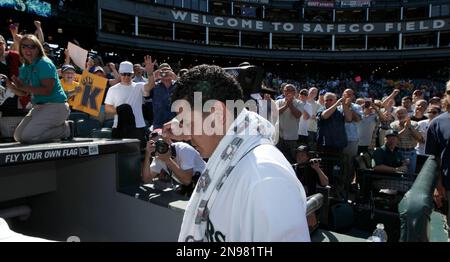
90,98
77,54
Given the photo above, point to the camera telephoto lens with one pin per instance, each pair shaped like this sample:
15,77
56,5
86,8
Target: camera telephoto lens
161,146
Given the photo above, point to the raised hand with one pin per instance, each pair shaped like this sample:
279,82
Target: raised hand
37,24
90,63
112,66
14,29
149,63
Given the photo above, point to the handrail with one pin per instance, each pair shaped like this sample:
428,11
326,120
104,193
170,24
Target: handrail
314,203
416,206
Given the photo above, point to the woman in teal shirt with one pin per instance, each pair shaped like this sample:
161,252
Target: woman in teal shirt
46,121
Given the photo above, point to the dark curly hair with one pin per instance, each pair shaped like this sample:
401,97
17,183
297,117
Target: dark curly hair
212,81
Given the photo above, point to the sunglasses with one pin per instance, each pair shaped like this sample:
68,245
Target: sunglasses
433,112
25,46
447,92
329,100
126,74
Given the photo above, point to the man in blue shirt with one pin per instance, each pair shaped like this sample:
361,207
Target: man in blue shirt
161,91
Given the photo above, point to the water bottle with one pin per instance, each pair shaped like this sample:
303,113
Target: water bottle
379,235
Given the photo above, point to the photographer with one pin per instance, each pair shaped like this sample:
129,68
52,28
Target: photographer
308,170
180,160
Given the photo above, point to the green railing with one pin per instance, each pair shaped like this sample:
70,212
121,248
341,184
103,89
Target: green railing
417,205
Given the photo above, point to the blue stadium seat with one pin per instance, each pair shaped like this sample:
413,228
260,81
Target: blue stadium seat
108,123
75,116
84,127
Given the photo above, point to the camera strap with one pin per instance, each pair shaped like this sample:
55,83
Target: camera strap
173,151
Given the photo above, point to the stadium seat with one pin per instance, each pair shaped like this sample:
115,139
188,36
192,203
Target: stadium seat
108,123
104,132
75,116
84,127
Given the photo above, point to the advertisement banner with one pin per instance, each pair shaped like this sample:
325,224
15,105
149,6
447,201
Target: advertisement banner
48,154
358,3
36,7
322,4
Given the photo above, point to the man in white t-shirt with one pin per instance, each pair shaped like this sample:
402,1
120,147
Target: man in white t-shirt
249,191
182,162
121,97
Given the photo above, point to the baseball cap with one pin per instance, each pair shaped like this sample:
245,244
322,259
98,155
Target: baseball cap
391,132
98,68
137,65
323,92
304,92
164,65
126,67
64,68
435,99
303,148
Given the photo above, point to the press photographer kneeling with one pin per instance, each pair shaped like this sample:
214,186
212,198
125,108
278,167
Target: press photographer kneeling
308,170
179,160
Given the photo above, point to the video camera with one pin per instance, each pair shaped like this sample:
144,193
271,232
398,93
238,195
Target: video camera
249,77
315,160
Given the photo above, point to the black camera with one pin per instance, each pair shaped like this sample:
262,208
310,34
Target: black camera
249,77
3,80
315,160
161,146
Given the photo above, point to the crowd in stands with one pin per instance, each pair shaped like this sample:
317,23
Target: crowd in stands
344,116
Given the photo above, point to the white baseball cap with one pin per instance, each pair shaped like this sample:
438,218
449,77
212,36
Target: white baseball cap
126,67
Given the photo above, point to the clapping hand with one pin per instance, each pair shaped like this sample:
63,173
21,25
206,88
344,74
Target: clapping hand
407,122
18,83
402,169
348,102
